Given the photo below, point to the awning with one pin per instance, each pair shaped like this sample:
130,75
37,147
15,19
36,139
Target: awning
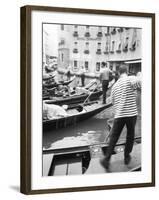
133,61
138,60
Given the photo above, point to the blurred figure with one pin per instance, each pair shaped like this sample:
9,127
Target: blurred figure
82,76
68,73
104,79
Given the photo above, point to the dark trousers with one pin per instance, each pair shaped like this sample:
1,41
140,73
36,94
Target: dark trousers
104,89
116,130
83,79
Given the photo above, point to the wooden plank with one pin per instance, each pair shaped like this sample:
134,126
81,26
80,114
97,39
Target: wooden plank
47,160
117,160
74,166
60,168
95,167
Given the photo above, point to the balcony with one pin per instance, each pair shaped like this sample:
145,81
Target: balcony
112,51
75,34
75,50
118,50
86,51
98,52
106,52
99,34
87,34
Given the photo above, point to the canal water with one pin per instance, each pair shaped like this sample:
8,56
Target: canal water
89,132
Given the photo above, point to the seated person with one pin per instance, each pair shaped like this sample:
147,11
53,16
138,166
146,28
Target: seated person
80,90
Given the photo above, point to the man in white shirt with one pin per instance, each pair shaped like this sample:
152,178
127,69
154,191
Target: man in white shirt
104,79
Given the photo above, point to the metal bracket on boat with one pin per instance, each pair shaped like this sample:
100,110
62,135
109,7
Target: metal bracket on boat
96,151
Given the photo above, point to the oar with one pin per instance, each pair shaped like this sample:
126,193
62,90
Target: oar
90,94
93,91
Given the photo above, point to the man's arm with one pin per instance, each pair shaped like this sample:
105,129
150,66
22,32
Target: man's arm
135,82
112,96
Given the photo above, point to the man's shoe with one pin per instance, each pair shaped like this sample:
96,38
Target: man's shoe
127,159
104,163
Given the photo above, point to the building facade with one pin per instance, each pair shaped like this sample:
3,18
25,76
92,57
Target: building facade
45,51
88,46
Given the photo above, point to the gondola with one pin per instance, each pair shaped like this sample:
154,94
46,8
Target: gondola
54,84
48,77
76,113
74,99
86,159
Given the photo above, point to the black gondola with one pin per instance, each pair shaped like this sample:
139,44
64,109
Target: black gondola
76,114
74,99
52,85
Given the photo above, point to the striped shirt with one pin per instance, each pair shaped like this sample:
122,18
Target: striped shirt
123,96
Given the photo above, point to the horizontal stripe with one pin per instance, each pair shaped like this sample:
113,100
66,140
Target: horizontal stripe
124,98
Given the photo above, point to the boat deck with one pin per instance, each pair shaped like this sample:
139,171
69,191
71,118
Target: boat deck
116,163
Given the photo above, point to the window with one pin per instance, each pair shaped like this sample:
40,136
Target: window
87,28
119,48
113,31
62,27
98,66
86,51
107,32
99,34
75,50
112,47
133,45
106,48
120,29
87,33
86,65
133,41
99,45
75,64
75,34
62,57
62,42
125,47
98,48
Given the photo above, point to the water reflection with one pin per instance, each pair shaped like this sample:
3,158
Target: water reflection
91,131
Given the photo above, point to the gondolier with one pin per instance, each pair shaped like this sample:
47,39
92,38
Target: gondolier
82,76
104,79
68,73
125,113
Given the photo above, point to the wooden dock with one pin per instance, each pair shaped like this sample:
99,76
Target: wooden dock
116,162
73,165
